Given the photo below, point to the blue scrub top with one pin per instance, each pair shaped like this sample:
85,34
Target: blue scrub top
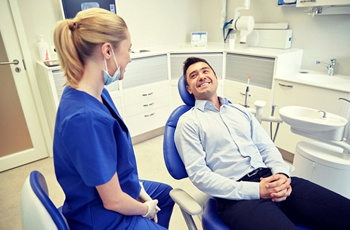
91,143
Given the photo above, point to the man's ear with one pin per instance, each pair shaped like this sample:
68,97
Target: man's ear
188,89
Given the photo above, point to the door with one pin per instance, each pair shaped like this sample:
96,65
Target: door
21,137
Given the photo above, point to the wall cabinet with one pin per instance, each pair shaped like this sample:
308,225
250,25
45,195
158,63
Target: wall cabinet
289,93
310,3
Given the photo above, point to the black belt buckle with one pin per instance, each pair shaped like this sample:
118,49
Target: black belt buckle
254,172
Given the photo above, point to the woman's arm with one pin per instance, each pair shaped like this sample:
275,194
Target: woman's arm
115,199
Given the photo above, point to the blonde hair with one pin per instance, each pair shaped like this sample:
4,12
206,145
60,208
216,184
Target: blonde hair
76,39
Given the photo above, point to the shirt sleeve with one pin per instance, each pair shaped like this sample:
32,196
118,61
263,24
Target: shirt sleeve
268,150
189,146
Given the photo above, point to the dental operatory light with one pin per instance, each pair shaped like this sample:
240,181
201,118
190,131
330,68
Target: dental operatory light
243,24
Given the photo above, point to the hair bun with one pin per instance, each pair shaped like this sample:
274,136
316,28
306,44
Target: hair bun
73,25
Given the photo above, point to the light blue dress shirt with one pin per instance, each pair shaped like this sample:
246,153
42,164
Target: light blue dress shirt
218,147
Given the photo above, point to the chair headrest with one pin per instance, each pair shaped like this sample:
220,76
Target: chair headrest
186,97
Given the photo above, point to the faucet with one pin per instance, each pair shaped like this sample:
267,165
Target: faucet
330,66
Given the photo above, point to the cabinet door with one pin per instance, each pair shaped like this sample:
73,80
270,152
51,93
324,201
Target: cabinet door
287,93
146,70
236,93
239,67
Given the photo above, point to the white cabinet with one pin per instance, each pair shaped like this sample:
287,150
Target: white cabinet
310,3
289,93
116,95
147,107
261,70
51,83
146,94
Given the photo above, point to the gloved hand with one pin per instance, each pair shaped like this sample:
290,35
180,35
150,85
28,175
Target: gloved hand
144,197
152,210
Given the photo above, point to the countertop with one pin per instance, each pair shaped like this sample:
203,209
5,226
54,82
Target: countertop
319,79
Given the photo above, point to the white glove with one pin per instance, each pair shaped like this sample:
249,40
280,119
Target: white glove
144,197
152,210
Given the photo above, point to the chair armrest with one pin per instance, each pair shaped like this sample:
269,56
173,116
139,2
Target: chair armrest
185,201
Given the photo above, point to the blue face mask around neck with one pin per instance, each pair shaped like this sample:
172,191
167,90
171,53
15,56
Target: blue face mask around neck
116,76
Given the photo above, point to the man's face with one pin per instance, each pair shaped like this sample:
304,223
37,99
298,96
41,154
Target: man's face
202,82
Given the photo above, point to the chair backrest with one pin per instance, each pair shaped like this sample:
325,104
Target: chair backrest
37,209
172,159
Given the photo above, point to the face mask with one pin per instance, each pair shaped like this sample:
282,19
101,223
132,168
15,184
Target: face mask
116,76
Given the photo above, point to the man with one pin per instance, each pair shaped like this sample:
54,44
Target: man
228,155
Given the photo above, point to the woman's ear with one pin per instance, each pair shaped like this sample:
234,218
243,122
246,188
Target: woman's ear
106,50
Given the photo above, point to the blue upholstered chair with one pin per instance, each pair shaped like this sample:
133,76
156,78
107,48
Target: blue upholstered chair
37,210
188,206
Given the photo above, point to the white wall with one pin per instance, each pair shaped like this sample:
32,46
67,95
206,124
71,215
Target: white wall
162,22
321,37
151,22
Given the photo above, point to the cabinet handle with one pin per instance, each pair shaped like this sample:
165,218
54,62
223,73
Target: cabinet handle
287,86
306,1
150,104
147,94
149,115
243,94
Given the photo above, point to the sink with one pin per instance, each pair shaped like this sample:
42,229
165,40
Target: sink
311,121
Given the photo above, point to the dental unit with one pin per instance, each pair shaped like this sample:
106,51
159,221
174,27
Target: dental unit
244,24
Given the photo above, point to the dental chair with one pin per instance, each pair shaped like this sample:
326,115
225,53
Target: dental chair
37,210
204,208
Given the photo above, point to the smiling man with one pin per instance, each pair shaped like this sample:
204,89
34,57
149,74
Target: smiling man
229,156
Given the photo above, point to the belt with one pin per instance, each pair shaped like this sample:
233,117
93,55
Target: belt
260,171
255,171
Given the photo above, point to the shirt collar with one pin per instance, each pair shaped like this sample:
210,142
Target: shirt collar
204,104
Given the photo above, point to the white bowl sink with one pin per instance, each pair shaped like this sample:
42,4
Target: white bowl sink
313,122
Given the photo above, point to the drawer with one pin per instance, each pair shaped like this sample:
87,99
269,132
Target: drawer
143,94
144,107
147,121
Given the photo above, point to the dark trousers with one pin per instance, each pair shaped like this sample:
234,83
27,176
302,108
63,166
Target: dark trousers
309,205
160,192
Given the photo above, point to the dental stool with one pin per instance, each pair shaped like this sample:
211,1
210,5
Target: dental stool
188,205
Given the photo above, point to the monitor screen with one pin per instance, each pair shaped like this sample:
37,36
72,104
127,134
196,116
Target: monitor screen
71,7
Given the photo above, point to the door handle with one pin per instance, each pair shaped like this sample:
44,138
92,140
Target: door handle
14,62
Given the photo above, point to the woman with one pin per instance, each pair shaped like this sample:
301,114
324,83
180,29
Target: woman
93,154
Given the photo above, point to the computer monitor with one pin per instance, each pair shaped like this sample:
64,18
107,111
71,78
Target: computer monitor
71,7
